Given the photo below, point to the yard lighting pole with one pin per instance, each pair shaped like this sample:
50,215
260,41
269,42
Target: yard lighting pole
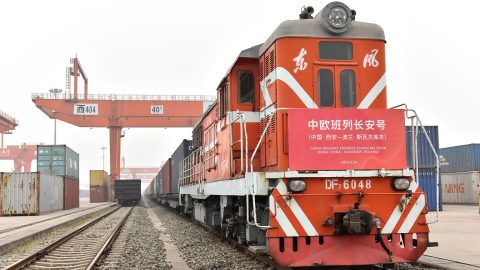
55,91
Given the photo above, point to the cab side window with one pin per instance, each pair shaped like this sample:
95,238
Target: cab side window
245,87
223,100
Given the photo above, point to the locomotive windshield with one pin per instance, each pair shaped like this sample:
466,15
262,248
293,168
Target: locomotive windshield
347,88
325,87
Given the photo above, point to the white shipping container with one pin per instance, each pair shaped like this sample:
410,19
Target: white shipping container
460,187
30,193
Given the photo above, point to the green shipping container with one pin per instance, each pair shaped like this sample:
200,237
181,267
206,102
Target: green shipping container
58,160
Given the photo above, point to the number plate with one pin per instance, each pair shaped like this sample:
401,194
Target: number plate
156,109
85,109
348,184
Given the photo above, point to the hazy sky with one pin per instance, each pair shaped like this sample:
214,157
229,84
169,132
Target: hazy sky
185,47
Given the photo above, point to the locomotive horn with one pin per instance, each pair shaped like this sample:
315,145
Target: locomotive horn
306,13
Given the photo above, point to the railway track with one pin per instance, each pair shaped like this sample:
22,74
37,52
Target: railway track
83,248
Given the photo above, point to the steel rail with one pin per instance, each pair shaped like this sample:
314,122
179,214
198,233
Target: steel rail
48,219
109,243
44,251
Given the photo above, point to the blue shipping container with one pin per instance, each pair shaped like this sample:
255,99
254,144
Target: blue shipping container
428,183
427,162
462,158
426,157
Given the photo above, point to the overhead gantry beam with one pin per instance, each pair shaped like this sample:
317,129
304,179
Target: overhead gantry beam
102,112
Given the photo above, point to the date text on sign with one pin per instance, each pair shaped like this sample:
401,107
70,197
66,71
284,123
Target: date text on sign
156,109
348,184
85,109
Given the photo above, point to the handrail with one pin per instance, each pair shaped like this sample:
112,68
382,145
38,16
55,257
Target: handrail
251,175
69,96
416,123
419,122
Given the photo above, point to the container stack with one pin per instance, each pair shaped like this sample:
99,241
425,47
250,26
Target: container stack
99,186
30,193
461,174
63,161
427,163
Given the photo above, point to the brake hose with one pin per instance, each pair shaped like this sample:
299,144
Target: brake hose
376,222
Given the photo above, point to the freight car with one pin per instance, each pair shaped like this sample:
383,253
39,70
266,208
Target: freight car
128,192
168,176
300,155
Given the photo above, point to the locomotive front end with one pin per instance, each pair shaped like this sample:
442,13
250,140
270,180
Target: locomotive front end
333,154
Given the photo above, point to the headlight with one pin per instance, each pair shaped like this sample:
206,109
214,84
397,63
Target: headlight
400,183
337,17
297,185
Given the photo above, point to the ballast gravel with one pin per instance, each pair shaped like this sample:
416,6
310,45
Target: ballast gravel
201,249
138,245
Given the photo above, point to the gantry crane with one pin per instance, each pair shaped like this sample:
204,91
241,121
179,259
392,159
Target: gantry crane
119,111
7,125
146,174
22,156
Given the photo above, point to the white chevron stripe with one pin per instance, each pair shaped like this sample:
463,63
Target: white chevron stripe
266,95
298,212
282,219
283,75
373,93
396,214
413,215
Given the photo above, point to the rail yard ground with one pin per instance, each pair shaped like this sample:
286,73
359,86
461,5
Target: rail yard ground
154,237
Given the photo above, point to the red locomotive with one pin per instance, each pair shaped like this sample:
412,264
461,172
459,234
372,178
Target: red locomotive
300,155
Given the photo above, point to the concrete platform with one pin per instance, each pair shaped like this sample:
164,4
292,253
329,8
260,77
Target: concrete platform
458,236
16,230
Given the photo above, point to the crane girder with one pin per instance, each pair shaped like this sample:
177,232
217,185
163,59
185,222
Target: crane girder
124,113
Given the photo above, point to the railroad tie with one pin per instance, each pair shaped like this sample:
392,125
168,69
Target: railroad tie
171,250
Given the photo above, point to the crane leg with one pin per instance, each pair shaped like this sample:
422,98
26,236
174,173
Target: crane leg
27,165
115,137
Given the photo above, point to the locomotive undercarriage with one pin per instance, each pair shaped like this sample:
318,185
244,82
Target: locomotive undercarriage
228,214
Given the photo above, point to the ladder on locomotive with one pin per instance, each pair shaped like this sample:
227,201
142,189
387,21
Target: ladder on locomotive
242,141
